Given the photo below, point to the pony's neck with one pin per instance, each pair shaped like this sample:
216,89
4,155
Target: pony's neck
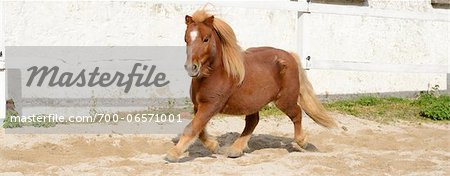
217,58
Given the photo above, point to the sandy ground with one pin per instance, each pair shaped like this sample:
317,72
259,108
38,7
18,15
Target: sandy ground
358,147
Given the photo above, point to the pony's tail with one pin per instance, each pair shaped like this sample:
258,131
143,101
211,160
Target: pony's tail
309,102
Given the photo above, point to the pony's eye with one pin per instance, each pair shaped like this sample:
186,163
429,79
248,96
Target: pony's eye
206,39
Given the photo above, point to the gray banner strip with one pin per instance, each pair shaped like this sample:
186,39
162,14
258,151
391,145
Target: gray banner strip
106,128
105,102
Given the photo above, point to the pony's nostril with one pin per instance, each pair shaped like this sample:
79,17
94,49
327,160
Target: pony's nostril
185,66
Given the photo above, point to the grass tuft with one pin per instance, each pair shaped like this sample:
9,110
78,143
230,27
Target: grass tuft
426,107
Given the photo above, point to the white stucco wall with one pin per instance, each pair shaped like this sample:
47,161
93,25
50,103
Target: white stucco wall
374,40
2,73
134,24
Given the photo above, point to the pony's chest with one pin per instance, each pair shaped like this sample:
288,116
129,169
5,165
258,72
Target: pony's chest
211,95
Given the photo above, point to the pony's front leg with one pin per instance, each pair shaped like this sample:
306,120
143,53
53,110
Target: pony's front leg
209,142
192,131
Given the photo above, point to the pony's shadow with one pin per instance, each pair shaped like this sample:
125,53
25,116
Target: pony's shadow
256,142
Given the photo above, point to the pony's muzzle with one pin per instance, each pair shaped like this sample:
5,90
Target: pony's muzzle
192,69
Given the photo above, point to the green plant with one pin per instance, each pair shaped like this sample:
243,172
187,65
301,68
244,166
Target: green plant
8,122
368,101
270,110
170,103
35,121
436,112
42,120
435,90
434,107
424,99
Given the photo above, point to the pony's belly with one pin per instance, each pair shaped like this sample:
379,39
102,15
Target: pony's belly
243,105
232,109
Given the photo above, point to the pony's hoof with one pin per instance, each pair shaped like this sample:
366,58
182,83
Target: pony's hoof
212,146
232,152
310,147
173,155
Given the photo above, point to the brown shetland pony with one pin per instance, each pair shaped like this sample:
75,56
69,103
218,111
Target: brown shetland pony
227,80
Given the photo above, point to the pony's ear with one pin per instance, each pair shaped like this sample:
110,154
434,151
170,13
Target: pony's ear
188,20
209,21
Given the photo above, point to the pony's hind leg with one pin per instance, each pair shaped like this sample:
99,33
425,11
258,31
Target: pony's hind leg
295,114
237,149
287,97
209,142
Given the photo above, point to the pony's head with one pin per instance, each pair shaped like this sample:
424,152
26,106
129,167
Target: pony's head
201,41
208,38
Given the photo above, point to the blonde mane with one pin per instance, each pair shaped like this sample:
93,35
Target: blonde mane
231,51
